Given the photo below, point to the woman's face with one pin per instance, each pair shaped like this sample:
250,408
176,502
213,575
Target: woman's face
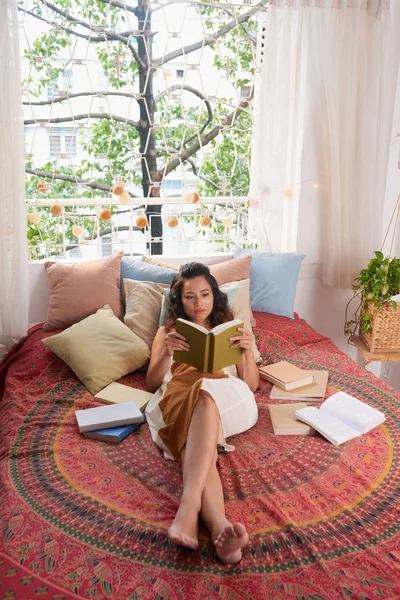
197,299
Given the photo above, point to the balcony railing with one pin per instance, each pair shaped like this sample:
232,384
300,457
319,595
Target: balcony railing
79,231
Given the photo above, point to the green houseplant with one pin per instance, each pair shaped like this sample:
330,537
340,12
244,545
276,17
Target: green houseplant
374,287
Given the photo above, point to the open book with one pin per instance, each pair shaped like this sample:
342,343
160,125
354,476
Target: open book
209,351
341,418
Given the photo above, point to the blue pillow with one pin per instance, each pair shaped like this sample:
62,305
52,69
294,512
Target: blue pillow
273,281
135,268
229,289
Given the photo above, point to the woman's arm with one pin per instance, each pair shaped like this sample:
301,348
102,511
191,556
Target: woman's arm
164,345
247,369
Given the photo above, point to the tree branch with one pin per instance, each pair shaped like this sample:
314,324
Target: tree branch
77,95
204,140
108,34
84,116
211,38
62,177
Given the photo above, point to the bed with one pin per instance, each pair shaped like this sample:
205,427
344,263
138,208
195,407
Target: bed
87,519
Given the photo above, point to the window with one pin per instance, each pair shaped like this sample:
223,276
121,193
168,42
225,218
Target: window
62,141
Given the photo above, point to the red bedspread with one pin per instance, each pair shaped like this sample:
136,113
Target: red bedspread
86,519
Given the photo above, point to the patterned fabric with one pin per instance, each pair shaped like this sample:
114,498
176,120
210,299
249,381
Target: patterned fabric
81,518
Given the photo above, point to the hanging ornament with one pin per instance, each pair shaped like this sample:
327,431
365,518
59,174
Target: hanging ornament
124,198
78,231
43,186
141,222
173,222
56,210
190,198
34,217
248,202
227,221
205,221
105,214
118,188
288,191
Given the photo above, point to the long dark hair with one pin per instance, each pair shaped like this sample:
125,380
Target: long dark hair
221,313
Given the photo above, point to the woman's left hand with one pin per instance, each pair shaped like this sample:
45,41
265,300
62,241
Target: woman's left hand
244,341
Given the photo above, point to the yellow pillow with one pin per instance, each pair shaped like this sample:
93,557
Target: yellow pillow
99,349
160,263
143,306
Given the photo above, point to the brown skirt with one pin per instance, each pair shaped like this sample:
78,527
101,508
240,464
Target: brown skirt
178,403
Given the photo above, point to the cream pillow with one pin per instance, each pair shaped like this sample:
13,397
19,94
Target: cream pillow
99,349
242,307
143,305
160,263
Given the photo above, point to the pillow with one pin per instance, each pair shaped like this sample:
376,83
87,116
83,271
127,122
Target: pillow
239,300
160,263
231,270
78,289
99,349
135,268
273,281
143,306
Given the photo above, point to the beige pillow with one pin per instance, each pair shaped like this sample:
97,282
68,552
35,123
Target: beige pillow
160,263
78,289
242,308
143,305
99,349
235,269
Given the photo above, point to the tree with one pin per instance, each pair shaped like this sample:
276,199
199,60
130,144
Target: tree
126,56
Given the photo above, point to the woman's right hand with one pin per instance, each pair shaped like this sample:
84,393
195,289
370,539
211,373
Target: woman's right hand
175,341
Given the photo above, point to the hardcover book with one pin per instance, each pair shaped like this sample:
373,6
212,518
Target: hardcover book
117,393
315,392
112,434
286,376
284,421
341,418
111,415
209,351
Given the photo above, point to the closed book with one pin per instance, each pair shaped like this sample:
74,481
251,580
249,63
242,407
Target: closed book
112,434
117,393
315,392
341,418
209,351
285,375
284,421
111,415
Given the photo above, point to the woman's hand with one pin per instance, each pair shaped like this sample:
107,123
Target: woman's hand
175,341
244,341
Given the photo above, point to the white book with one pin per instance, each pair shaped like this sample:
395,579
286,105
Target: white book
341,418
111,415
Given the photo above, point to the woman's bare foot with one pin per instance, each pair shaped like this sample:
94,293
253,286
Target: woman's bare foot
183,530
230,541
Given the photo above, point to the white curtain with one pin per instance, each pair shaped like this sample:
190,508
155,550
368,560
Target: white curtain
337,59
14,296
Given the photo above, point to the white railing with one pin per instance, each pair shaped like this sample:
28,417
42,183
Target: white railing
209,226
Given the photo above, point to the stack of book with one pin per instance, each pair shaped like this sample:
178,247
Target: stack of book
121,414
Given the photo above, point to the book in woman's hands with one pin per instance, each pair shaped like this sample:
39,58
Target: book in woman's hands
209,351
341,418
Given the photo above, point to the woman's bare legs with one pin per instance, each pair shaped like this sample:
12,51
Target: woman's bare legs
228,539
197,459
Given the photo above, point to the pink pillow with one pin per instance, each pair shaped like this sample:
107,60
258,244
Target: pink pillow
79,289
231,270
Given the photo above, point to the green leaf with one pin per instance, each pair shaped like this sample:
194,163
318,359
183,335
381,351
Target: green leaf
379,254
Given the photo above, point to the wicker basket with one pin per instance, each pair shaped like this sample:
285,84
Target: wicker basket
385,329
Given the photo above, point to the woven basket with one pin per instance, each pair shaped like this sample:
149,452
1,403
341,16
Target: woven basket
385,329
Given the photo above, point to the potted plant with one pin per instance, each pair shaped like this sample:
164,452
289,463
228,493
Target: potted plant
377,317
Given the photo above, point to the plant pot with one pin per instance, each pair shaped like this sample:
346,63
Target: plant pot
385,328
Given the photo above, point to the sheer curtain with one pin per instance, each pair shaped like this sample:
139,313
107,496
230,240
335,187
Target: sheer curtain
339,59
14,298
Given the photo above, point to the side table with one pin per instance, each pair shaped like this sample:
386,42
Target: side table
368,356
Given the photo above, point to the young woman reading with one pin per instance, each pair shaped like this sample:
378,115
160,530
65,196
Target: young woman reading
193,412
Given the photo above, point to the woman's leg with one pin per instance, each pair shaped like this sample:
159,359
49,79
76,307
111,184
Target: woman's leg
197,459
229,539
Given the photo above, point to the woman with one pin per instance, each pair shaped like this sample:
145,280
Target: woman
192,412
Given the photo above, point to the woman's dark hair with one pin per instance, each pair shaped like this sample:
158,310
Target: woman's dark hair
221,313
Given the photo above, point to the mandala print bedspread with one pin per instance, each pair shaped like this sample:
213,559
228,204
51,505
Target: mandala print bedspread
86,519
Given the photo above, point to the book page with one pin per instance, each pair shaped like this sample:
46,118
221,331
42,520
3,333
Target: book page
195,325
223,326
353,412
334,430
